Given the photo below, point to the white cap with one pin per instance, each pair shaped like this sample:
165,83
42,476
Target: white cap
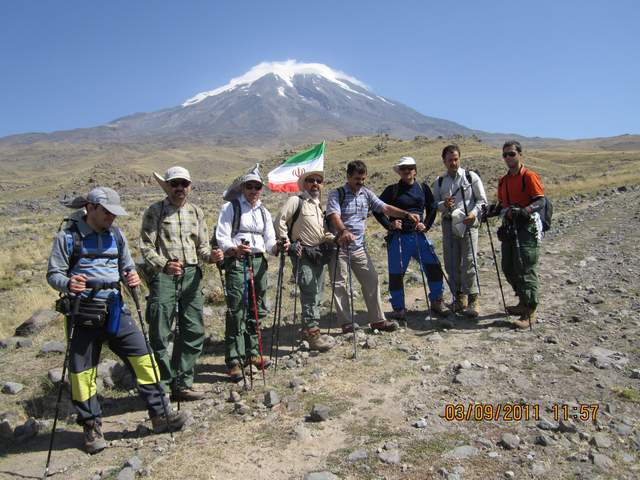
404,162
172,173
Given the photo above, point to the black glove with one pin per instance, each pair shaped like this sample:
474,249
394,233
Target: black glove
492,211
293,249
519,213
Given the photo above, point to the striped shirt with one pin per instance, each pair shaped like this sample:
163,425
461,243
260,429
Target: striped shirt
97,269
169,232
354,210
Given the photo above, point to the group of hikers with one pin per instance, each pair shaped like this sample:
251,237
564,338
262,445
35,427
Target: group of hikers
90,259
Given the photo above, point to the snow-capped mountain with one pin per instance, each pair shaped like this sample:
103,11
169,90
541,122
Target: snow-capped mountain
276,102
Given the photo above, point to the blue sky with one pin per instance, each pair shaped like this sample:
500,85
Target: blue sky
566,69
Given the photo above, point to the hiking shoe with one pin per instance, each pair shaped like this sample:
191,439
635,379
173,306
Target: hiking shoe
349,328
518,309
259,361
235,372
93,439
186,395
526,319
398,314
459,303
438,308
176,420
315,340
384,326
473,307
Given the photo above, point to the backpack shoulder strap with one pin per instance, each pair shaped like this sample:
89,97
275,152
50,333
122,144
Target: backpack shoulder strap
117,234
74,245
263,212
296,214
341,196
394,193
235,224
440,180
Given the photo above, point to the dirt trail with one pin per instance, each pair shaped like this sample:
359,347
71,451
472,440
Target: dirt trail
393,398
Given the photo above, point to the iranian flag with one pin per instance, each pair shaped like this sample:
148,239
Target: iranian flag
285,177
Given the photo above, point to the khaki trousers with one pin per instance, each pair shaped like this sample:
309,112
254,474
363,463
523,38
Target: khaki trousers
362,270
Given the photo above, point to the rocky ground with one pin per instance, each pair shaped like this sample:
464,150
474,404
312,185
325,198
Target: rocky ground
418,403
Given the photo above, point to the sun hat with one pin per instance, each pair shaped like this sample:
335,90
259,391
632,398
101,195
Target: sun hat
404,162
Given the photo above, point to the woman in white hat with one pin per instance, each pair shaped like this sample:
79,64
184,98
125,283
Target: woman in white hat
403,242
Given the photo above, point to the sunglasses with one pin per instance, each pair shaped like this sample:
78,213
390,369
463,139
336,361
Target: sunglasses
313,180
509,154
406,169
253,186
179,183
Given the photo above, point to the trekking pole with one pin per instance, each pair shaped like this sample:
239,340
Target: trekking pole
279,309
444,275
333,287
296,275
353,321
257,318
485,219
468,230
135,294
519,255
399,234
74,312
176,336
424,282
276,320
245,302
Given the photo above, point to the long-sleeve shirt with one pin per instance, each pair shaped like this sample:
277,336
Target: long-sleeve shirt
169,232
414,198
354,210
261,236
309,227
98,269
472,195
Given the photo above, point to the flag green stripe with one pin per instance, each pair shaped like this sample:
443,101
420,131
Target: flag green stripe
306,156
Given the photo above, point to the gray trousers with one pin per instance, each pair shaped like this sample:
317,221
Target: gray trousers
458,259
362,269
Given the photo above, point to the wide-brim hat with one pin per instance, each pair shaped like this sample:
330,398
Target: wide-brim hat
404,162
302,177
173,173
235,189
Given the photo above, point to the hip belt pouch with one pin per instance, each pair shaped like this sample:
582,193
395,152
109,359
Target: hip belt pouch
114,310
91,313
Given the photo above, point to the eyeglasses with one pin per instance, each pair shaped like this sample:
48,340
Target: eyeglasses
253,186
509,154
313,180
179,183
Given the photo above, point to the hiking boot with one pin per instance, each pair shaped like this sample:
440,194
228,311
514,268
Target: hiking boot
259,361
518,309
176,420
528,317
459,304
235,372
186,395
315,340
398,314
93,439
349,328
438,308
384,325
473,307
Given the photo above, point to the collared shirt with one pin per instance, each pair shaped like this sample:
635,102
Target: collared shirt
472,195
169,232
261,237
100,269
354,210
309,227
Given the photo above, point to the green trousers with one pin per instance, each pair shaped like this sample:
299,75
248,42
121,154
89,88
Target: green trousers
520,270
240,336
311,283
176,371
